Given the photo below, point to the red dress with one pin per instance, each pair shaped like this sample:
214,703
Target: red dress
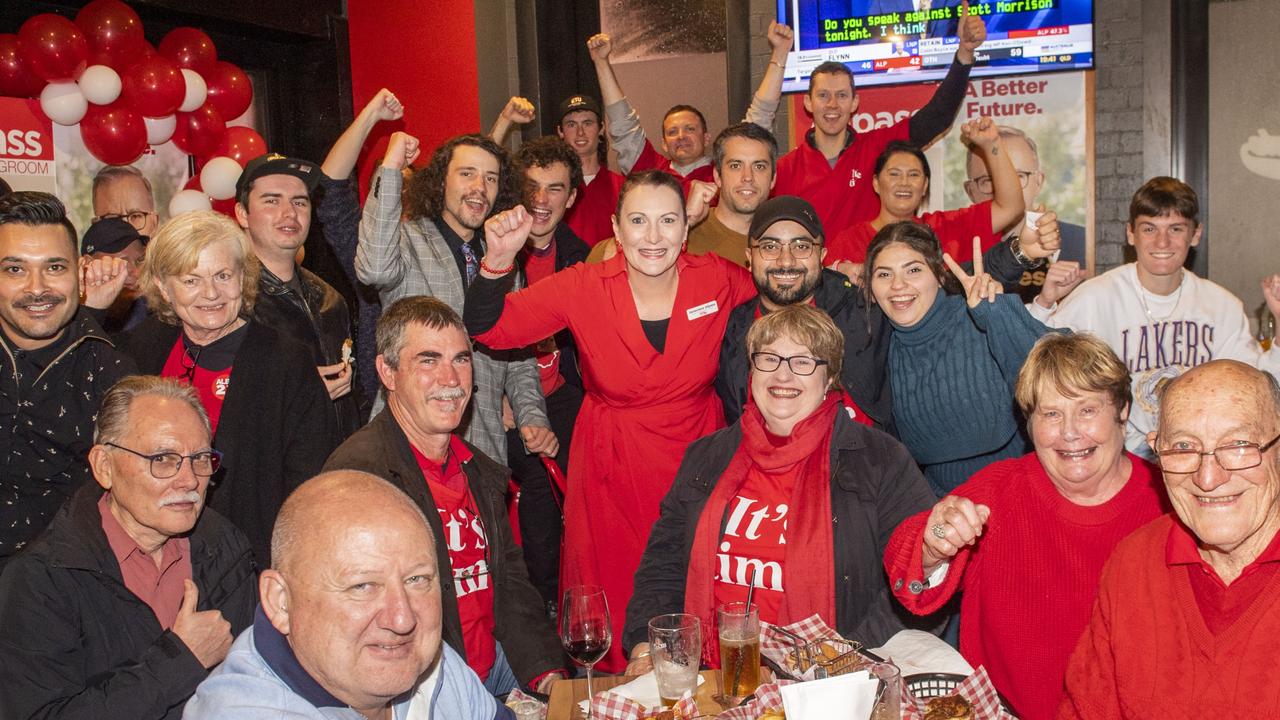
591,217
842,195
641,409
955,230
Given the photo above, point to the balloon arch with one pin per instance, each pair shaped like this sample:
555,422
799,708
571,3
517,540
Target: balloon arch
100,73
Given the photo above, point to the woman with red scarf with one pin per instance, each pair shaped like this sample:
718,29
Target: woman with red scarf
796,498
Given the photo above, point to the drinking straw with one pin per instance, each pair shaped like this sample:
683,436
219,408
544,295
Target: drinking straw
737,665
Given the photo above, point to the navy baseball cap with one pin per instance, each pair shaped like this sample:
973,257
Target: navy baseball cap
277,164
110,235
574,103
785,207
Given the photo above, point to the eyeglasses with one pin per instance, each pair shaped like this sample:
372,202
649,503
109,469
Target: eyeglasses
190,361
799,364
1240,456
166,465
136,218
984,182
772,249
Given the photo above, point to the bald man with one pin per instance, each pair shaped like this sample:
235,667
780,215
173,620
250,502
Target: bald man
349,619
1189,606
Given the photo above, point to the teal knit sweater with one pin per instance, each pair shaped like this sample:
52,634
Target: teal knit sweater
953,375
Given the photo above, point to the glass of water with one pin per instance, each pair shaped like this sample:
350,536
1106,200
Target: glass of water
675,642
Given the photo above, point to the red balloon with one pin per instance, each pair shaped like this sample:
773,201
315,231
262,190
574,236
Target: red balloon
229,89
190,48
16,77
242,144
114,32
53,47
114,133
153,86
200,132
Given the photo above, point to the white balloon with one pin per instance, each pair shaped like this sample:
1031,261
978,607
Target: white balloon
99,84
63,102
218,177
188,201
197,91
159,130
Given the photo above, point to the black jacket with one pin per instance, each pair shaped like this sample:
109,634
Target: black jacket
874,486
570,250
75,643
275,430
319,320
865,371
520,623
46,427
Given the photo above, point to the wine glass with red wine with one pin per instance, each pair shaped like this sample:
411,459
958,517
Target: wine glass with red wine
585,631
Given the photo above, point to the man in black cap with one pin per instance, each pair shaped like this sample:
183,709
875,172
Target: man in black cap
111,283
273,204
581,127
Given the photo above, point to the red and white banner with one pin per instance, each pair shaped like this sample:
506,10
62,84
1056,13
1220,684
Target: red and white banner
26,146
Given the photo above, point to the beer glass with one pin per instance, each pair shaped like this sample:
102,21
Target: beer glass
739,632
675,642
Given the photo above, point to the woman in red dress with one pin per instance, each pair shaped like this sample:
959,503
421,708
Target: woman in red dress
648,323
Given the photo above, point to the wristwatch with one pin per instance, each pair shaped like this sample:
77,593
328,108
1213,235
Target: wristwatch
1015,246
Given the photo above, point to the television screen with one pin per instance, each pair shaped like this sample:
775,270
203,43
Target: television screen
898,41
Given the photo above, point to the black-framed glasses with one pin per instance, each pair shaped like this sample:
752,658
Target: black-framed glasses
190,361
984,181
772,249
1240,456
166,465
136,218
799,364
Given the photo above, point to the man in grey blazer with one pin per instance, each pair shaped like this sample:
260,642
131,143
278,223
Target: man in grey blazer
427,238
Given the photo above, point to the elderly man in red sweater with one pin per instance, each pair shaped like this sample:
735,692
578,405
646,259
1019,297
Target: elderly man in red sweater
1189,606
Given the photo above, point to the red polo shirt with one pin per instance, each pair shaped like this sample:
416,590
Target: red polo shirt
159,586
1221,604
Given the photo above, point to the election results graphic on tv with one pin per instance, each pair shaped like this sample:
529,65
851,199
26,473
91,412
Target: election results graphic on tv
897,41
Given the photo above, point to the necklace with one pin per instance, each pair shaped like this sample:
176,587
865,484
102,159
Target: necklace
1177,297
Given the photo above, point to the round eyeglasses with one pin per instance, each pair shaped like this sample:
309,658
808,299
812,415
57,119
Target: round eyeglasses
166,465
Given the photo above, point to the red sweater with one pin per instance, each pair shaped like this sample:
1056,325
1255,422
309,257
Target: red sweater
1148,651
1030,581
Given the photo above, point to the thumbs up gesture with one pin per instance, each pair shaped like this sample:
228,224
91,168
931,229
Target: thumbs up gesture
206,634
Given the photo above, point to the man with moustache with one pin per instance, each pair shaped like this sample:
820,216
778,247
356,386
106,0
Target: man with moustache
55,367
273,205
349,623
432,246
121,193
492,616
744,156
551,172
1188,609
134,592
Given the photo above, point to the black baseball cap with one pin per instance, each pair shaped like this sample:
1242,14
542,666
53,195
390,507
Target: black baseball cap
785,207
574,103
277,164
110,235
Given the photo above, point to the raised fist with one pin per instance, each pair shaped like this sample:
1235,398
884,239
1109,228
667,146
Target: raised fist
600,46
402,150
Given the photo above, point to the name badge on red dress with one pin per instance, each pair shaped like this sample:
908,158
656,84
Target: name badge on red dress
707,308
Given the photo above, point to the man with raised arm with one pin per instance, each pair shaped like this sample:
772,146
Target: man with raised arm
685,135
834,165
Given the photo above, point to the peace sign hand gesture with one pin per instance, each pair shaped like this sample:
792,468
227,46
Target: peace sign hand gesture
979,286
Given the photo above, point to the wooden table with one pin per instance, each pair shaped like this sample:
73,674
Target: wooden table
566,694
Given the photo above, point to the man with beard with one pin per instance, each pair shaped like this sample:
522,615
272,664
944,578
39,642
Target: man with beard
744,156
55,368
785,250
433,247
492,616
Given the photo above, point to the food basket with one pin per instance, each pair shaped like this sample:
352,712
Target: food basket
931,685
821,657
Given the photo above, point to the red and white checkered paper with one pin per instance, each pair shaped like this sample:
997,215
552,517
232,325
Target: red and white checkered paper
612,706
976,688
767,697
777,647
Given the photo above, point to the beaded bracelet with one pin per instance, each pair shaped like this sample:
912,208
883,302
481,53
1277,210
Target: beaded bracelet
493,271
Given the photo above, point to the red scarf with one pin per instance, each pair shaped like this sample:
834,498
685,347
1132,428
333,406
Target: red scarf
810,570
